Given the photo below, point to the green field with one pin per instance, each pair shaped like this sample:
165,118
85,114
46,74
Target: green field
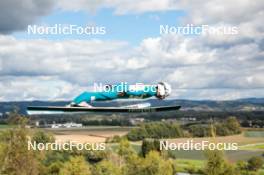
5,126
254,133
184,165
259,146
195,155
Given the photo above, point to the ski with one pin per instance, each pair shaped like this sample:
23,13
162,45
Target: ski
31,110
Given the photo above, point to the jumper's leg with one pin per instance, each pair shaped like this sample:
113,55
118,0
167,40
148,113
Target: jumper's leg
83,100
85,104
82,104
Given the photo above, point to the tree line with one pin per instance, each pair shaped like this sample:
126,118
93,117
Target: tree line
160,130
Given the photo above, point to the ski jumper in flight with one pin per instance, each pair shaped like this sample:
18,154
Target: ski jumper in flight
123,91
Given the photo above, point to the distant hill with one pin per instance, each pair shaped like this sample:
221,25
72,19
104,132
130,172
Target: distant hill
248,104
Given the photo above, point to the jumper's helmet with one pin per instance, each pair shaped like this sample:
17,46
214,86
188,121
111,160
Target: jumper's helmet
163,90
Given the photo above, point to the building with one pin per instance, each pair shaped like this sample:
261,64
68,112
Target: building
66,125
136,121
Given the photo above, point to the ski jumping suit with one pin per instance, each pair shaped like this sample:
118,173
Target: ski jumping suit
118,91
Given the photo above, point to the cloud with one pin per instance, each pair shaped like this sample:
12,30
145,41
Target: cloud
62,69
16,15
120,7
203,66
56,58
90,6
198,67
217,94
37,88
198,11
232,12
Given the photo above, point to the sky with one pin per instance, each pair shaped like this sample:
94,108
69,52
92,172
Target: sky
131,48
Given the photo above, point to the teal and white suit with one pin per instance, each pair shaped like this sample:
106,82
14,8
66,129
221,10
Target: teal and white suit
118,91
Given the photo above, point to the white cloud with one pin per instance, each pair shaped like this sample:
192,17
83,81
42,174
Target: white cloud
199,11
200,67
212,12
19,88
217,94
121,6
41,69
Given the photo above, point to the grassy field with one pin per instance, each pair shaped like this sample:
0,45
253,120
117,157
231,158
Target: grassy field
183,165
196,155
248,147
254,133
258,146
88,134
240,139
5,126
